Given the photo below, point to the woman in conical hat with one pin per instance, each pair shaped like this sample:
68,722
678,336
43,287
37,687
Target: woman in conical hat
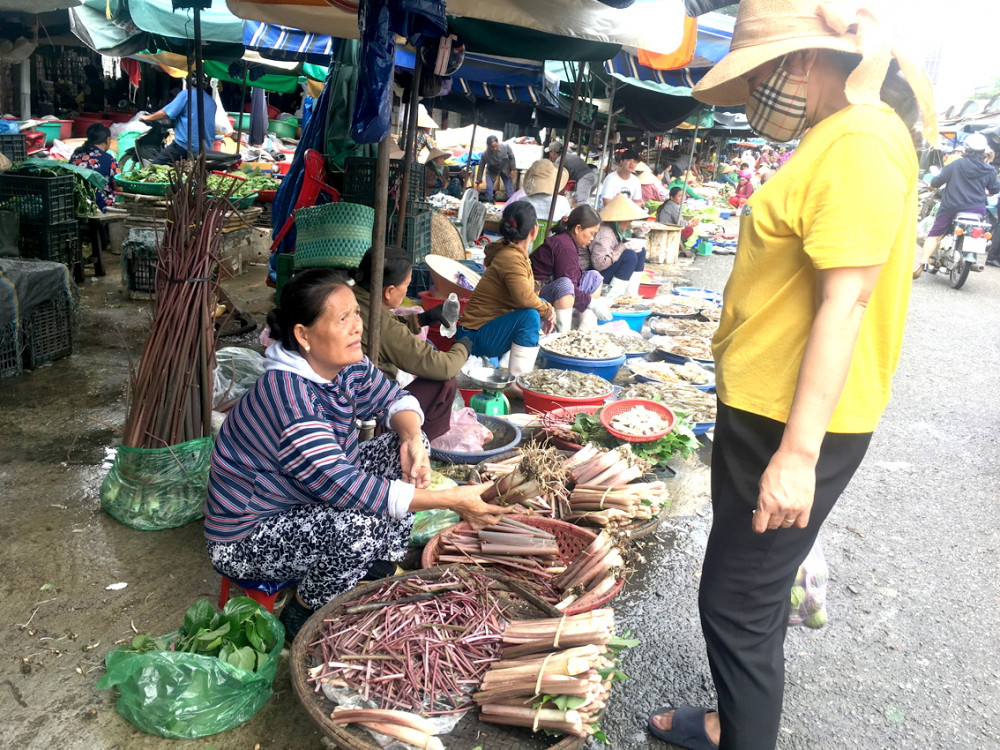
810,332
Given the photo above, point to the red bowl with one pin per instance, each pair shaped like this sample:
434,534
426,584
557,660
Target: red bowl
266,196
539,403
619,407
564,416
648,290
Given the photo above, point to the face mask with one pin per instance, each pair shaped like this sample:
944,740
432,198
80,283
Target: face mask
776,109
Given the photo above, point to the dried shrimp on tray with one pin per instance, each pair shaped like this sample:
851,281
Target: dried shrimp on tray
697,348
564,383
682,327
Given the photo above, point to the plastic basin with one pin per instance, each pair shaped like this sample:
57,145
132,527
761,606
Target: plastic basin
283,128
539,403
53,129
725,214
283,166
428,301
633,319
506,436
602,368
442,343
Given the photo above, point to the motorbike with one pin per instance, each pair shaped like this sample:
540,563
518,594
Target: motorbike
149,144
963,249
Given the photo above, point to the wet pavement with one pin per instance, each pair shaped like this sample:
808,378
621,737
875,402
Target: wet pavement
909,659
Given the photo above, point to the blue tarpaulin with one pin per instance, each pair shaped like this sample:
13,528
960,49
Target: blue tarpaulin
288,45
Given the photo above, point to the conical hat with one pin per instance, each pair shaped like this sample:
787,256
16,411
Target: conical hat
621,208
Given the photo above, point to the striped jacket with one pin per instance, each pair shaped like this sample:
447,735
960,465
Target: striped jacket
291,441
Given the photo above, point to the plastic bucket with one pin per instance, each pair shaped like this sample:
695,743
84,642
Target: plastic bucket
634,319
648,290
53,129
428,301
434,336
603,368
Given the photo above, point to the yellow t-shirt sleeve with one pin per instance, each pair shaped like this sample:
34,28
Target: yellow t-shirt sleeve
850,215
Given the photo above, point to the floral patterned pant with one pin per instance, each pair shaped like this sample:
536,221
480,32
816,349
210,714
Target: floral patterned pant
327,550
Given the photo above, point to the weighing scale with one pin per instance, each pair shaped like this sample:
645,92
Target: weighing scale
491,401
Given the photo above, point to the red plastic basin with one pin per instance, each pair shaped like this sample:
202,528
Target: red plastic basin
434,336
648,291
428,301
539,403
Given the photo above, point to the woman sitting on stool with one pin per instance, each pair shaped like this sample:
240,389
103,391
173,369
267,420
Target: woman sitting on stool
292,495
504,312
556,264
614,253
399,348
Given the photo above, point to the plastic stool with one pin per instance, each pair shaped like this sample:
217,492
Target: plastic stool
262,592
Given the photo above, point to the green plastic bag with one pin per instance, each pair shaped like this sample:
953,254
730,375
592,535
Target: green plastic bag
428,523
158,488
180,695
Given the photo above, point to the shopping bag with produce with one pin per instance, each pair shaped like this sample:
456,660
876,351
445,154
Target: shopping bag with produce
809,591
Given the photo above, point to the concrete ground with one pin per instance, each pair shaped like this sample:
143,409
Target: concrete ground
909,659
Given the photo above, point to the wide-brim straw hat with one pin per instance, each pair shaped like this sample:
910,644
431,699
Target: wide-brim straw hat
646,176
621,208
436,152
424,120
770,29
541,178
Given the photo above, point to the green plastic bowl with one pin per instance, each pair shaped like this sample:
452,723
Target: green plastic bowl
283,128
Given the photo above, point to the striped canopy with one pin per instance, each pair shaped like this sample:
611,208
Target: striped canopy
289,45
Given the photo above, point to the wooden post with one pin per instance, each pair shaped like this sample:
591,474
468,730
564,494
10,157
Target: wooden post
373,326
565,148
410,151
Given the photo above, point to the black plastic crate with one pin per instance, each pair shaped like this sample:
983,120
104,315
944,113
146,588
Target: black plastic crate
59,243
359,180
10,351
420,281
47,332
13,146
416,235
38,200
139,267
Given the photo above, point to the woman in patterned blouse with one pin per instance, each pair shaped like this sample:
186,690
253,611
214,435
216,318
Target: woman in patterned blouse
93,154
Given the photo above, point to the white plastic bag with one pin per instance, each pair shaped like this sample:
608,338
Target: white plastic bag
236,371
809,592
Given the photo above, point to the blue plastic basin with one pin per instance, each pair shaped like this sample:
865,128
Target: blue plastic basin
602,368
634,319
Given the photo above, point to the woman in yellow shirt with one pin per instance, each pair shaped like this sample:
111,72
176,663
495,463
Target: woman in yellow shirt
810,334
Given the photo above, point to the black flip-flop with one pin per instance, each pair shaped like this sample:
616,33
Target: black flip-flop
687,729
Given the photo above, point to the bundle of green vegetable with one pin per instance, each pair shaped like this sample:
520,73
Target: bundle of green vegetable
240,634
160,174
222,184
681,440
257,181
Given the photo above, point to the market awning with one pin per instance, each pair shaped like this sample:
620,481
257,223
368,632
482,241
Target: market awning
283,43
113,37
505,25
159,17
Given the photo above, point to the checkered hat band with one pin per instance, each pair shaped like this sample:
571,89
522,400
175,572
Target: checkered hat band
779,103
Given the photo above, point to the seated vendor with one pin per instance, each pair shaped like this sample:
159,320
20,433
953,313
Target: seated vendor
504,312
670,213
93,154
437,177
677,179
539,187
292,495
618,257
744,189
652,186
434,371
556,265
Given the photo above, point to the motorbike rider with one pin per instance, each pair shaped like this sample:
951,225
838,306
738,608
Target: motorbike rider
967,183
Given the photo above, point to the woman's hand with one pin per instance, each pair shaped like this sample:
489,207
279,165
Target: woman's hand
549,324
787,489
416,465
473,510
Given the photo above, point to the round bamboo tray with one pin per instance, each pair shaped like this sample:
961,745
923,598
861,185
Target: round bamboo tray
571,539
445,237
470,731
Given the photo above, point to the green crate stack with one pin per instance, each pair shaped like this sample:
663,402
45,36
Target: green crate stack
416,232
359,180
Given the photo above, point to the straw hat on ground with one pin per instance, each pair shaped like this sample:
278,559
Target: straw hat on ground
436,152
621,208
541,178
770,29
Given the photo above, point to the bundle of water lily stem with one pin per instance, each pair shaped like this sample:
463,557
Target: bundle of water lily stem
171,389
532,556
604,490
553,674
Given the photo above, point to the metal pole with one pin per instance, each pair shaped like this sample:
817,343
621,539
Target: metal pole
199,69
374,323
565,148
607,132
694,141
411,139
239,112
472,145
26,90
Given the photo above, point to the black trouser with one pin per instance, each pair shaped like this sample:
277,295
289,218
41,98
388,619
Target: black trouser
747,578
435,397
171,153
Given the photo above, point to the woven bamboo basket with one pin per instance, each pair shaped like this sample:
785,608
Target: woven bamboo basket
470,731
572,541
